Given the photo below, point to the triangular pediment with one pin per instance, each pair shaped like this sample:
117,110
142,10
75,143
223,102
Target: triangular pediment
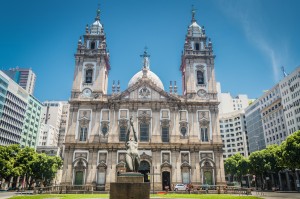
145,90
166,164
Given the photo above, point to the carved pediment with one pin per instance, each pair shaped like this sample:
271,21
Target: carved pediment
144,116
121,164
154,91
166,164
84,121
185,165
204,122
144,156
123,122
80,164
165,122
200,67
102,164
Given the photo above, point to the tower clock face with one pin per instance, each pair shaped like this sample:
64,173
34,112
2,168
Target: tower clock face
87,92
202,93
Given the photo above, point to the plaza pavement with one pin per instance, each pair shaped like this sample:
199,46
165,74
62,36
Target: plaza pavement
277,195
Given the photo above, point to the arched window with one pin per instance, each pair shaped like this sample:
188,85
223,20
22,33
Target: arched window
197,46
204,134
144,132
165,134
89,76
83,134
93,45
122,134
200,77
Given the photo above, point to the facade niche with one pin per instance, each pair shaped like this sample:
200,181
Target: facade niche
185,168
101,171
183,124
144,117
203,119
84,123
105,122
123,124
165,125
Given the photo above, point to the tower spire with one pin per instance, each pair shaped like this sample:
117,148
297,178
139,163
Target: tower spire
145,56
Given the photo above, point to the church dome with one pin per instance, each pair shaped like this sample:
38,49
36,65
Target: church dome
146,73
150,75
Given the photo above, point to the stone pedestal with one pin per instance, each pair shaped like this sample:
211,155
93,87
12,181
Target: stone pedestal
129,186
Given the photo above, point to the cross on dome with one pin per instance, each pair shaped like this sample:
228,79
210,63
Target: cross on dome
145,56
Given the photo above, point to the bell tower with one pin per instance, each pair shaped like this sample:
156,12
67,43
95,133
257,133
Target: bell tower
197,63
91,62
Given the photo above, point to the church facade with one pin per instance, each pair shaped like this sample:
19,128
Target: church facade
179,138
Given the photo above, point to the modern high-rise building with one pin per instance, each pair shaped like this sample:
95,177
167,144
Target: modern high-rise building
178,135
63,124
13,103
232,123
25,77
255,131
53,123
234,134
290,93
272,114
279,113
230,104
31,126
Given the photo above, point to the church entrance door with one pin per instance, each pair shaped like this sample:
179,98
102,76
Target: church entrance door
79,178
165,180
145,170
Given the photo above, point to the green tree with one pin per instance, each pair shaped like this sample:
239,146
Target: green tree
24,160
290,149
236,165
242,167
44,168
257,163
230,166
8,162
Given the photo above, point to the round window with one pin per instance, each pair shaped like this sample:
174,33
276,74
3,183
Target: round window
183,130
104,130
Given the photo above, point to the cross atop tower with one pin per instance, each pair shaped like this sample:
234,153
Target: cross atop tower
98,13
145,57
193,13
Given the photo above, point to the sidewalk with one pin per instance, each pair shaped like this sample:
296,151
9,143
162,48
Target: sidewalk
277,195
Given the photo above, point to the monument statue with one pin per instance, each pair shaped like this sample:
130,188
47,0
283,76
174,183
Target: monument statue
132,153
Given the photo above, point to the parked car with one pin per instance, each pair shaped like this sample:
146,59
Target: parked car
180,187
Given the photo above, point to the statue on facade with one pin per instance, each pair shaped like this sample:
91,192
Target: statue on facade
132,153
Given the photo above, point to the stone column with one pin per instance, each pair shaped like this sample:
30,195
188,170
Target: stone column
220,174
67,168
280,182
288,180
92,167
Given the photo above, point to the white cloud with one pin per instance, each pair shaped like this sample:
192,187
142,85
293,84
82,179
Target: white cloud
249,15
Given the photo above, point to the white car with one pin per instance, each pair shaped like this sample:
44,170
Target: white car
180,187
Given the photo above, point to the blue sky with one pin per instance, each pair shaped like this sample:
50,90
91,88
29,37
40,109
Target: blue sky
252,39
